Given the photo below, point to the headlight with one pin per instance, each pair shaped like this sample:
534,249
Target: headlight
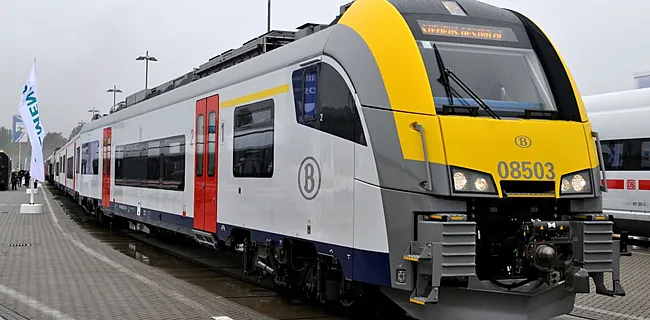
576,183
464,180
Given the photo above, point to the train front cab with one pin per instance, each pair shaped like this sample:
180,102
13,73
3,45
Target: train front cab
489,214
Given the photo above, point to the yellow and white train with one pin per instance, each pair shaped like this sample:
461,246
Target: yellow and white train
437,152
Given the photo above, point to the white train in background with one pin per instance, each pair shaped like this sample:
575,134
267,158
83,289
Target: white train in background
622,120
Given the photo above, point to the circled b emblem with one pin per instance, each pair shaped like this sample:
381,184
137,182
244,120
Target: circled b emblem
309,178
523,141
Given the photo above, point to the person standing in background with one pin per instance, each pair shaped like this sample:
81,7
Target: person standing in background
14,180
26,178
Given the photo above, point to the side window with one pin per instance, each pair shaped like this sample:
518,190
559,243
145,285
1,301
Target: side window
78,160
253,141
90,158
200,127
625,155
119,164
154,164
323,101
212,142
632,154
613,155
645,155
84,158
174,163
95,153
70,173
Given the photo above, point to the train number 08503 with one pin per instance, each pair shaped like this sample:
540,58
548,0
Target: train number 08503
526,170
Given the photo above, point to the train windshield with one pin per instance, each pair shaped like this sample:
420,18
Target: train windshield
508,80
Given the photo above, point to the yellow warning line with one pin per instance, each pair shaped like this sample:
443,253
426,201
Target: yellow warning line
255,96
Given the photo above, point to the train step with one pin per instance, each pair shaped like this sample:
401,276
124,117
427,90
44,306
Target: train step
205,238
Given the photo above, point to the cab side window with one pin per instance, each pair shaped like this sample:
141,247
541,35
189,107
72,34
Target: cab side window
324,102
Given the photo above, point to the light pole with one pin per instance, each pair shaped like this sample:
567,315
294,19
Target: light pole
268,18
146,59
93,110
114,90
268,26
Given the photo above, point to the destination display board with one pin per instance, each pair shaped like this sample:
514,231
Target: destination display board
459,30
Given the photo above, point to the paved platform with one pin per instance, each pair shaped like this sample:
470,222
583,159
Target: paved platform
635,278
51,269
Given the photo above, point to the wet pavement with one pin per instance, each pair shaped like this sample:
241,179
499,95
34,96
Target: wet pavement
50,268
208,267
203,274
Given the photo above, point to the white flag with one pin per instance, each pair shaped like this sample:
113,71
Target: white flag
29,111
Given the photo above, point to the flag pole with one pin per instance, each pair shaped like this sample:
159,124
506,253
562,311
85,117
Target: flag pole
29,109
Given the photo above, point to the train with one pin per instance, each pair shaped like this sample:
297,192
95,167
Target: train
619,119
5,171
437,153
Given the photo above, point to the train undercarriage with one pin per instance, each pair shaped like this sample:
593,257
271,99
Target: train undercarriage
503,246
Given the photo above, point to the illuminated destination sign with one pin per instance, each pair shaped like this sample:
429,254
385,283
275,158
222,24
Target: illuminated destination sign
458,30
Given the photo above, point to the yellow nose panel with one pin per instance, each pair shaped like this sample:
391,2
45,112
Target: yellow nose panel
532,150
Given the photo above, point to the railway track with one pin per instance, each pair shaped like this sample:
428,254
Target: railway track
218,272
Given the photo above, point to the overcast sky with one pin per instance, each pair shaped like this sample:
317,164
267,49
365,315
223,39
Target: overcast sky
85,47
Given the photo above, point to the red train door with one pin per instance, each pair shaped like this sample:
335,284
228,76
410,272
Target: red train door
106,168
206,164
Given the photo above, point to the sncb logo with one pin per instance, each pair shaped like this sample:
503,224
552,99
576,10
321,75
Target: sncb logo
523,141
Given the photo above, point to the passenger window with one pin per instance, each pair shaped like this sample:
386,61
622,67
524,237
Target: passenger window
253,141
212,132
174,164
334,111
154,164
78,159
613,155
623,155
69,174
119,166
645,155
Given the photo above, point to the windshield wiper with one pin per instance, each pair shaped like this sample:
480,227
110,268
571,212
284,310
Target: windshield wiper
445,73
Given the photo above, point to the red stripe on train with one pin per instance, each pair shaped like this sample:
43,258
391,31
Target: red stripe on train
617,183
644,184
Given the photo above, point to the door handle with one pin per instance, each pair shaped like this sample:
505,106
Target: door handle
203,185
601,159
419,128
214,199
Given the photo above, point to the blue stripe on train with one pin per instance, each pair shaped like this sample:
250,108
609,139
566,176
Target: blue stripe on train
365,266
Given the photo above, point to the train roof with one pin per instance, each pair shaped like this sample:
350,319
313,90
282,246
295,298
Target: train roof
620,101
474,9
271,51
291,53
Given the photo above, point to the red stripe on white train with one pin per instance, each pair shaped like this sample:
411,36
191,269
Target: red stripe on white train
627,184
